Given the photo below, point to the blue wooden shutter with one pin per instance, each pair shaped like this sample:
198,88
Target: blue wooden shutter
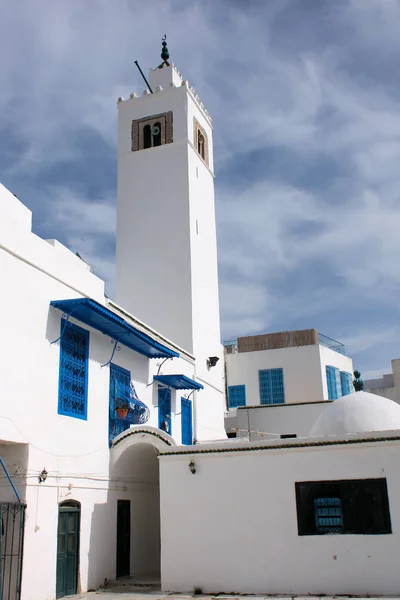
346,380
236,396
334,383
187,423
73,372
271,386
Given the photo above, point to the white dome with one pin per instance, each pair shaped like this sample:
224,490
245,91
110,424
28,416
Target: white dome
357,413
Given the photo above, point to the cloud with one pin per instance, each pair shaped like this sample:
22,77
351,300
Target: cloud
306,111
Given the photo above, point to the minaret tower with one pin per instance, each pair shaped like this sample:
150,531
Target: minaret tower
166,261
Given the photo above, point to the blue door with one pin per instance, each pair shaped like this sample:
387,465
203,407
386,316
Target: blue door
164,410
187,423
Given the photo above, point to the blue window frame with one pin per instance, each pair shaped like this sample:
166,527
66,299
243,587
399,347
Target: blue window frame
164,410
271,386
236,396
334,383
187,421
120,382
73,372
346,381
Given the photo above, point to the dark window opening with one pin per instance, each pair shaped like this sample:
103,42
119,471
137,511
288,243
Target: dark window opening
359,506
201,145
286,436
232,434
156,134
146,136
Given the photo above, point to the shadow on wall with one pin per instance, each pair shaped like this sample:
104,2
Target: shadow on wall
101,549
136,472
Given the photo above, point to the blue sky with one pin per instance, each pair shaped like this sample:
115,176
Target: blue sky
305,100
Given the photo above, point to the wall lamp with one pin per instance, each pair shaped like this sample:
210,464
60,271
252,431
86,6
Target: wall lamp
192,467
43,476
212,361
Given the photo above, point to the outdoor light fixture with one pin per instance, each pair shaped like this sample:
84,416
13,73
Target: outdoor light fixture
192,467
212,361
43,476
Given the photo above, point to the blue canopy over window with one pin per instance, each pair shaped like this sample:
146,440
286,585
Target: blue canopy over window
99,317
179,382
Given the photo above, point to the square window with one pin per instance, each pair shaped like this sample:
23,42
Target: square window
236,396
359,506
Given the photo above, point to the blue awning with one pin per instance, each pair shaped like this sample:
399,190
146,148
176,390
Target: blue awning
99,317
179,382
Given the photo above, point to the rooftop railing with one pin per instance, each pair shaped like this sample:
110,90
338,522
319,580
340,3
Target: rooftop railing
328,342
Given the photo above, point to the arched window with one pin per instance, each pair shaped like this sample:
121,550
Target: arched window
147,135
200,141
156,134
201,145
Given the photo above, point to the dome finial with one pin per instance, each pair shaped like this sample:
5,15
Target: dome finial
164,53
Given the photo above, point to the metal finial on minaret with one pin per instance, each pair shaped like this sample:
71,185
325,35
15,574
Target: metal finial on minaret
164,53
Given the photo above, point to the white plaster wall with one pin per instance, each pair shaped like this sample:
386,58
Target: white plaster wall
334,359
248,542
386,392
396,377
301,372
153,242
74,452
304,372
166,237
271,421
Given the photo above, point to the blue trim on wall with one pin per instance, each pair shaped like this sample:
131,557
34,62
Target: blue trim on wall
73,372
187,422
236,396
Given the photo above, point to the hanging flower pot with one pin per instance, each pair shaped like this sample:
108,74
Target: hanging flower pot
122,409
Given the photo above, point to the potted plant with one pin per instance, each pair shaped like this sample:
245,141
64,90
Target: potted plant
121,408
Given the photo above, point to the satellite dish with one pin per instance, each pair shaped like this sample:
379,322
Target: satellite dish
155,130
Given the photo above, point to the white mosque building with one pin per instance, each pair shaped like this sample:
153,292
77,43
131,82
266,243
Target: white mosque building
114,455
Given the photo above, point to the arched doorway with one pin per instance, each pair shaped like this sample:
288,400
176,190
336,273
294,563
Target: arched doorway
135,463
68,548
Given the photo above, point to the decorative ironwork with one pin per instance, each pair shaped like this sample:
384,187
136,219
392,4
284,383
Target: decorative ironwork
72,395
123,396
12,519
116,348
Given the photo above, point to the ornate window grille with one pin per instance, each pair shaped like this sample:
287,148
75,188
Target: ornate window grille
328,515
236,396
271,386
73,375
122,391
